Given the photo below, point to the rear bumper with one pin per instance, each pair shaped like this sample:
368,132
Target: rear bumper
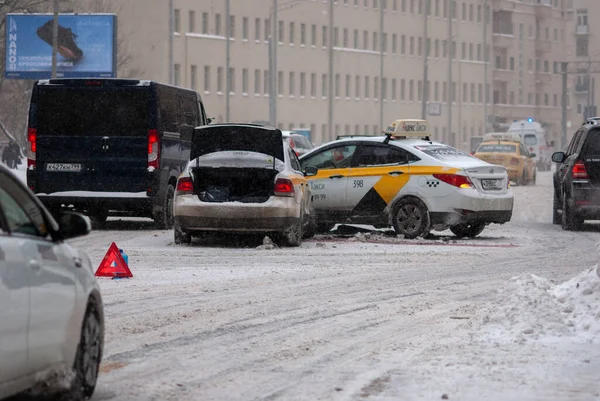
459,217
121,202
585,200
470,206
277,214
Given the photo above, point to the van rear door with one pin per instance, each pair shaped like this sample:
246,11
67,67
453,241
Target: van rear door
92,137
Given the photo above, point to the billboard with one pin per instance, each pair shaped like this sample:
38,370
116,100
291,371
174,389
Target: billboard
86,46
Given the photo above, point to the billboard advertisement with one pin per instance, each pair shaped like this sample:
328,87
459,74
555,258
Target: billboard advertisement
86,46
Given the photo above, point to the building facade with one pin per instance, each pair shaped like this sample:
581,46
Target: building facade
362,71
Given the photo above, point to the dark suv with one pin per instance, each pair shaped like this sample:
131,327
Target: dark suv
577,179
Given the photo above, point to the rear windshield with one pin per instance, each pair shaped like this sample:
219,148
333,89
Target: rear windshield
92,112
443,152
530,140
592,144
497,148
300,141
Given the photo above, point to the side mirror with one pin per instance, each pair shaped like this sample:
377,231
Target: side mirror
532,155
310,171
559,157
72,225
209,120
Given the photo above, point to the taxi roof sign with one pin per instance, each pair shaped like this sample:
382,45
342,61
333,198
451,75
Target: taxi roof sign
408,128
502,136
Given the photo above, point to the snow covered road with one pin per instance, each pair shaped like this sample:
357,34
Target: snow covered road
365,317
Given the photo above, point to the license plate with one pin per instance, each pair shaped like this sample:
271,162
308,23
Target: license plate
67,167
491,184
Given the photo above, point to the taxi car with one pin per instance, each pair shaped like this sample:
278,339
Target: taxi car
406,180
243,178
507,150
51,314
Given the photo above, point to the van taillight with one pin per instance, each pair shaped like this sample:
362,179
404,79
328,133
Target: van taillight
32,139
153,145
284,187
579,170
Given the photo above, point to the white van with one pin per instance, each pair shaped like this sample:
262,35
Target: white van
534,138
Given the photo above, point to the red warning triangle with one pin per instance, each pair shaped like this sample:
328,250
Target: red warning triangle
113,264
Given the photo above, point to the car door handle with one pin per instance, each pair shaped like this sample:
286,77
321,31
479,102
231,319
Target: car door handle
336,176
396,172
34,265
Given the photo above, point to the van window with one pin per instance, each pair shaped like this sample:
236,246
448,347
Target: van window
189,109
530,140
92,112
168,107
591,147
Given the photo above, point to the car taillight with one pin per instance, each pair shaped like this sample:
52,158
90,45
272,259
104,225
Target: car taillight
32,139
185,185
153,146
514,162
460,181
579,170
284,187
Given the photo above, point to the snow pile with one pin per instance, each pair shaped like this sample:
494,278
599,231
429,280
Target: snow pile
531,307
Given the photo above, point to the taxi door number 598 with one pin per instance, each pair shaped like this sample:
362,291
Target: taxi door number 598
358,184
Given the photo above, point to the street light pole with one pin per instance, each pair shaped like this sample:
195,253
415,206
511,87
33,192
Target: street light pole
485,65
54,38
274,72
381,60
227,58
450,86
331,82
425,65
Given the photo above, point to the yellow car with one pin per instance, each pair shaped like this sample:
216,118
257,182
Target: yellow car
511,154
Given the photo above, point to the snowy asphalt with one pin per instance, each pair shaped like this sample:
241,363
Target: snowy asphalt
342,317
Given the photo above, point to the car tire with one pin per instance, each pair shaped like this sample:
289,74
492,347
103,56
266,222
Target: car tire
411,218
524,180
570,221
180,236
467,230
555,208
293,235
164,217
311,227
89,354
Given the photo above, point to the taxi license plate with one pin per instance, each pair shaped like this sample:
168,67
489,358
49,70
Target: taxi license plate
66,167
491,184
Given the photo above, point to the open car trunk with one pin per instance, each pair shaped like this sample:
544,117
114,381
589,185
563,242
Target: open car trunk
230,184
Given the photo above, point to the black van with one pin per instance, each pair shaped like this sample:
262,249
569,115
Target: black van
110,146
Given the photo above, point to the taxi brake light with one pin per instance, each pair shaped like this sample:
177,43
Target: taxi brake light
460,181
284,187
579,170
185,185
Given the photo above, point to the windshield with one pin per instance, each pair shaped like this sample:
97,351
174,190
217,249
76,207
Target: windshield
496,148
93,112
530,140
443,152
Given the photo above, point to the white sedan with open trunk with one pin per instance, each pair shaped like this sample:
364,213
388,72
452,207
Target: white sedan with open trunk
243,178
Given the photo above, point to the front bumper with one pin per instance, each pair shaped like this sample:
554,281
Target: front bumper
277,214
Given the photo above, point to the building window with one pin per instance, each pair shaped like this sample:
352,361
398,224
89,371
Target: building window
394,89
436,91
480,92
555,102
411,90
267,30
313,35
302,84
581,47
217,24
412,46
324,86
206,78
402,89
384,89
335,37
292,33
471,17
177,74
231,77
245,28
280,31
345,38
177,20
356,38
444,92
394,43
394,5
365,40
266,83
256,82
402,44
367,87
419,90
453,90
257,29
472,93
511,63
313,85
463,51
376,88
546,100
244,81
193,77
511,97
375,47
292,84
420,47
280,83
337,85
204,23
357,87
348,84
303,34
192,21
324,36
436,48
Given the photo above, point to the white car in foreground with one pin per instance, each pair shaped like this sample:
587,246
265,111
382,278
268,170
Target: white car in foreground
405,180
51,316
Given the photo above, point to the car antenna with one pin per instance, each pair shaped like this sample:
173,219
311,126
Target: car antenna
387,139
